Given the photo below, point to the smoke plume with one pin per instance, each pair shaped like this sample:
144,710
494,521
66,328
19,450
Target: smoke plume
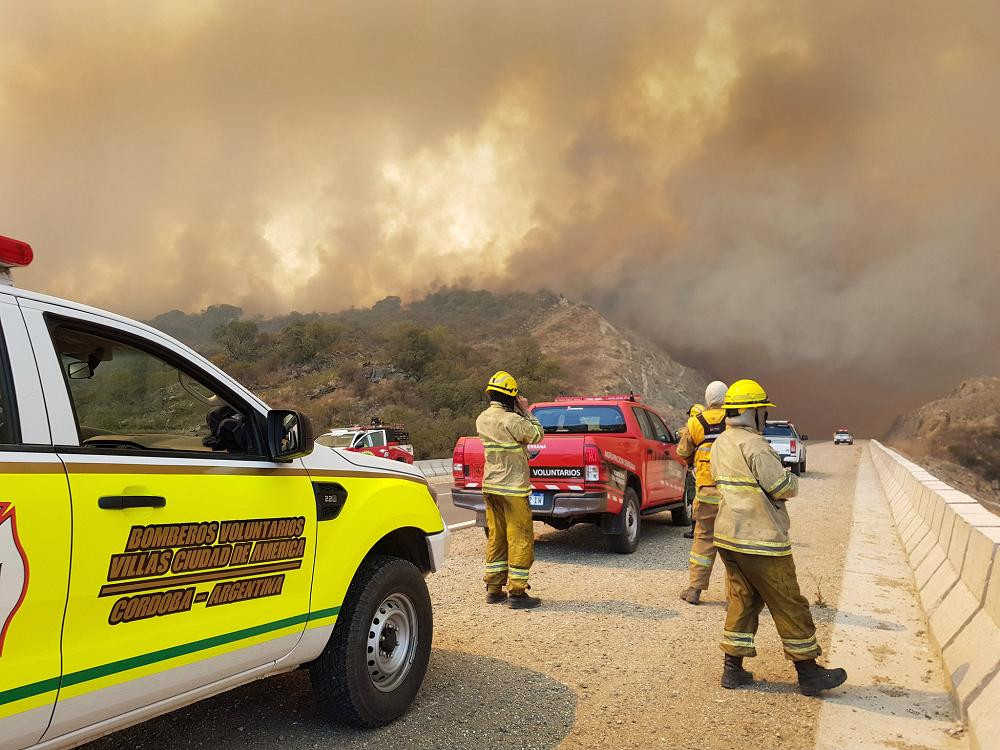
805,193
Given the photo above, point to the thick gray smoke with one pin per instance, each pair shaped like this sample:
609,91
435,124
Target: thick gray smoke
804,193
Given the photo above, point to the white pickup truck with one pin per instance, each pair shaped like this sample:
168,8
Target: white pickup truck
843,437
788,444
165,536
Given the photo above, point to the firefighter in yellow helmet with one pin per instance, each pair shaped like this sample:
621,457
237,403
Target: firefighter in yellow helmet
695,445
751,534
506,429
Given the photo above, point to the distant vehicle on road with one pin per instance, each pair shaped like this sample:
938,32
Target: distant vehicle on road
607,460
843,436
384,441
787,443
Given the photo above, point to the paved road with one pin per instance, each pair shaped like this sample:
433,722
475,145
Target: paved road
451,514
615,659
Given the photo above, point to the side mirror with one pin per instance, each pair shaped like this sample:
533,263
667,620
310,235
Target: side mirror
804,438
289,434
79,371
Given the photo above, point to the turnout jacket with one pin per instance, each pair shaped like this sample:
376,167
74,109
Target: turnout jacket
506,435
754,485
696,440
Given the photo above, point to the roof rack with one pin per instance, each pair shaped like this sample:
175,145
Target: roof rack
610,397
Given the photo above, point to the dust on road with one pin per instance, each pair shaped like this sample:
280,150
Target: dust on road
613,658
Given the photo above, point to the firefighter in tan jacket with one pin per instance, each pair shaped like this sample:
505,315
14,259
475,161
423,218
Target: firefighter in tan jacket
506,429
751,533
695,444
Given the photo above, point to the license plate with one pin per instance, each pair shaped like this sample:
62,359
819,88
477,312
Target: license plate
537,500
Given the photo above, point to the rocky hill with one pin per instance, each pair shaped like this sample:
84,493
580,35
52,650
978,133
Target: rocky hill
599,357
425,364
957,437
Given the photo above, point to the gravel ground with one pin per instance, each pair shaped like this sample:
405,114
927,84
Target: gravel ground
613,658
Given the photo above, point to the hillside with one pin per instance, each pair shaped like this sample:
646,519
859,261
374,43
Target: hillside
607,359
957,437
425,364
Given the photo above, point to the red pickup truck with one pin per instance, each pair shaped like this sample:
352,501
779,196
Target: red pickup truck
608,460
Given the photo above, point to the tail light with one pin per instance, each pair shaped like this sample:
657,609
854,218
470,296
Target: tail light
792,445
458,460
592,464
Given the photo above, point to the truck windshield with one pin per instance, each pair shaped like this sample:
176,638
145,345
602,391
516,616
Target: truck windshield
566,419
337,441
777,430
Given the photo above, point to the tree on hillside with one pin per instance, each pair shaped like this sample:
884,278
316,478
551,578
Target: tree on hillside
241,339
299,343
411,349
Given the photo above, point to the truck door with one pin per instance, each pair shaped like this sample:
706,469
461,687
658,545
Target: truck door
34,543
192,552
652,456
673,471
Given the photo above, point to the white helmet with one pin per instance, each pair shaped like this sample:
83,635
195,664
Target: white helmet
715,393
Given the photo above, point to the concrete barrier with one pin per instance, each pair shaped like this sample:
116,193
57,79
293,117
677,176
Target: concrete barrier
951,542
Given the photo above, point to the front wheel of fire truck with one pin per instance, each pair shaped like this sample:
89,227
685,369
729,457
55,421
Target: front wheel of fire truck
375,661
626,541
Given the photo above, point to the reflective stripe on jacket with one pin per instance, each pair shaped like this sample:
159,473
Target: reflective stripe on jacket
696,439
754,485
506,435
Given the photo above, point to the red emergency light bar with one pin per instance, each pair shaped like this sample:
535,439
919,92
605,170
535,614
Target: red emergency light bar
14,252
609,397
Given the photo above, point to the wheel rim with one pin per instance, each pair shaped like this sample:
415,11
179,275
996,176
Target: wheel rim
631,522
392,642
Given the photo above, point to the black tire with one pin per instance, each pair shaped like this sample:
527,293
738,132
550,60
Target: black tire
345,689
796,469
625,542
802,467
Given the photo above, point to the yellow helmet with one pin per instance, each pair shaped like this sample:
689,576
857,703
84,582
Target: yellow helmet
746,394
695,410
502,382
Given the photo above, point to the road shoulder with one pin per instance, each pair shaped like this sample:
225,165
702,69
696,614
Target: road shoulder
896,694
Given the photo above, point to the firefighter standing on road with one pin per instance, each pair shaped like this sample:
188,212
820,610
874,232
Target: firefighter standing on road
751,532
506,429
695,444
689,480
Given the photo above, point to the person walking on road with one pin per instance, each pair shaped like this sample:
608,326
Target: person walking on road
751,533
506,429
695,445
689,483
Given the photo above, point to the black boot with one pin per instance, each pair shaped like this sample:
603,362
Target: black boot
813,678
733,673
689,534
495,597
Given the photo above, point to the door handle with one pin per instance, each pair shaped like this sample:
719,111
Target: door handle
121,502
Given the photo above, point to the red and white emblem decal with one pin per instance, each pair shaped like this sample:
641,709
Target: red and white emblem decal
13,570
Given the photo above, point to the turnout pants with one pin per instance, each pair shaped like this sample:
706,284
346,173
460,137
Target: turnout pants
756,580
510,550
703,551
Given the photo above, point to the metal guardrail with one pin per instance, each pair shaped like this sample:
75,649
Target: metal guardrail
434,467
